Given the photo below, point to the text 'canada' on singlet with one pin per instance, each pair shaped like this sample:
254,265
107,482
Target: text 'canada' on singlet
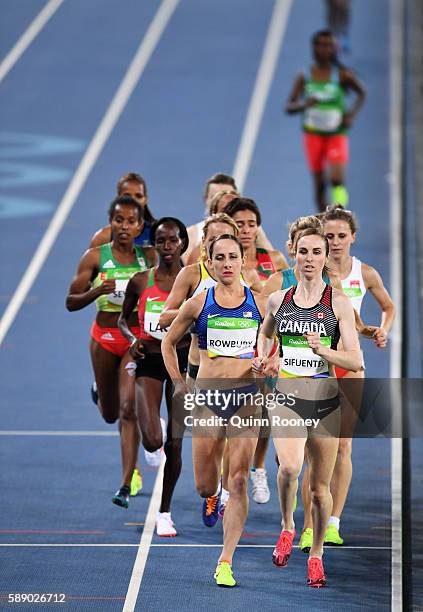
297,360
228,332
326,115
150,307
111,269
353,286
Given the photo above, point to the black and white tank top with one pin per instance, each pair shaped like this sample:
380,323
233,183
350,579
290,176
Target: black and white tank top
297,360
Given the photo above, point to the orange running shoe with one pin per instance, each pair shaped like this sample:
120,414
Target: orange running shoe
316,574
283,548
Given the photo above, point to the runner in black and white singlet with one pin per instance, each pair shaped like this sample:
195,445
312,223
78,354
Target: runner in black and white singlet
309,320
227,319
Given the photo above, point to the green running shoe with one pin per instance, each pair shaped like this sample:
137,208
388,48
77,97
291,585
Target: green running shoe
332,537
295,502
223,575
306,540
136,483
121,497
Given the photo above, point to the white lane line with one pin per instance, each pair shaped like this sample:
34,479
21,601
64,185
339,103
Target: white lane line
261,90
396,287
75,433
116,107
145,543
28,36
13,545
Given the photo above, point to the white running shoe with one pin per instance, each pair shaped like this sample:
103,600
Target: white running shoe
260,489
154,459
165,526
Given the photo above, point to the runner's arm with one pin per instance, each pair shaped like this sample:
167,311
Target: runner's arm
102,236
273,283
350,357
192,231
350,81
186,317
133,291
262,240
180,292
252,279
296,103
278,260
374,284
80,292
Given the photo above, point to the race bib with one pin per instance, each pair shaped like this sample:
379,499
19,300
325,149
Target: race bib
320,120
152,313
231,337
298,359
118,295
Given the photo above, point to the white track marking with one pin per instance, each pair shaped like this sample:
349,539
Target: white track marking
261,90
145,543
67,545
28,36
117,105
396,221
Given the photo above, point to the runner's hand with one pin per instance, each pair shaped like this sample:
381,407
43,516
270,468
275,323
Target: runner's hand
308,102
313,339
107,286
258,365
375,333
380,337
180,389
272,366
347,120
137,349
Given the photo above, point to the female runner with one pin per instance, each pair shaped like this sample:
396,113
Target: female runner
227,318
356,277
191,281
309,320
102,276
150,290
131,184
319,93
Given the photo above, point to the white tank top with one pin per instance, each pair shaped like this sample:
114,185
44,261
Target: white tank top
353,286
199,231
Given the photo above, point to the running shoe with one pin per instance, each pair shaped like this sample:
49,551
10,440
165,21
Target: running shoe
154,459
165,526
306,540
332,537
211,510
223,575
283,548
260,489
121,497
316,574
136,483
94,393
